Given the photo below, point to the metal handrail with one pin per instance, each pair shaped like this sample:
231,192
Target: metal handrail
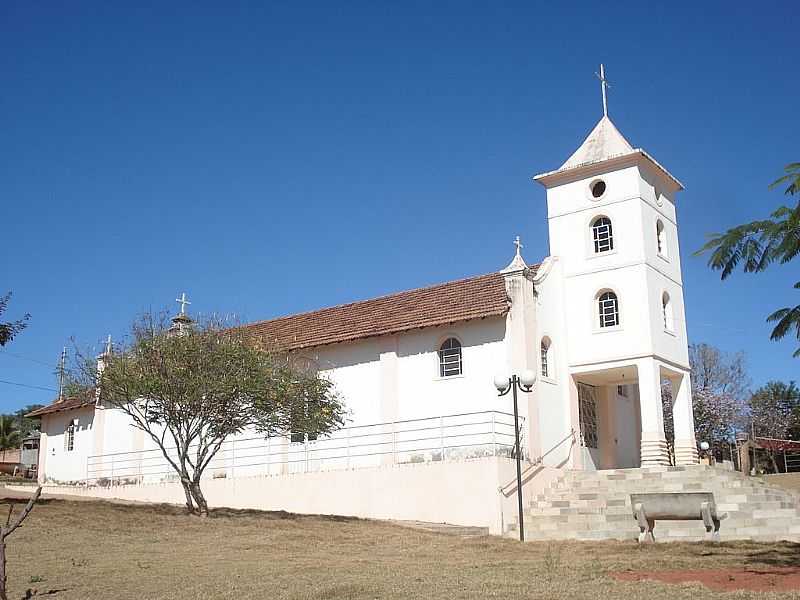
349,444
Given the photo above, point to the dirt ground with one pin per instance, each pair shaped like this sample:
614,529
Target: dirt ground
84,550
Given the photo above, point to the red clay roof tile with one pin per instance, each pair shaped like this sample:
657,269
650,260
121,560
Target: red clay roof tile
451,302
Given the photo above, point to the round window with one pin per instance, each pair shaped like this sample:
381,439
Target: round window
598,188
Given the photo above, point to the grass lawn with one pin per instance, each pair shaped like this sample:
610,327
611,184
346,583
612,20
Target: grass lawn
98,550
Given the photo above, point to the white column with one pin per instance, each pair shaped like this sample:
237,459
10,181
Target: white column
654,442
683,418
521,348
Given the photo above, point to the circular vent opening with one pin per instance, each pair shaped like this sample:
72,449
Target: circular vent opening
598,188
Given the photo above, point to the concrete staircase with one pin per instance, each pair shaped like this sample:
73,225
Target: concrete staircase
596,505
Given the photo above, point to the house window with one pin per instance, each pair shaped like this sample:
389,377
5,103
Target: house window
622,390
450,358
602,234
609,309
666,311
69,436
661,241
545,354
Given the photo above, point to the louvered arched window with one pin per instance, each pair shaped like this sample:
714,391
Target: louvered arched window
666,310
602,235
608,306
450,362
544,351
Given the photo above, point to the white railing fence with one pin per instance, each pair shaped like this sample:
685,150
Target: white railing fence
447,437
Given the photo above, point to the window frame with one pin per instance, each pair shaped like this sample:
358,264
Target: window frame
600,311
441,358
667,312
544,357
597,241
69,436
662,244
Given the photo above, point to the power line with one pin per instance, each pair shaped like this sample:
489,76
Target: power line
33,360
25,385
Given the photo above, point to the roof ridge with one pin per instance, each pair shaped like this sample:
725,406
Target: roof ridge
381,297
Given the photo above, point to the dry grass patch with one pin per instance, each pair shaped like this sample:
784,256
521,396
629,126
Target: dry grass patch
86,550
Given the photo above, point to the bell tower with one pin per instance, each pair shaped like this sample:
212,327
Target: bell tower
612,225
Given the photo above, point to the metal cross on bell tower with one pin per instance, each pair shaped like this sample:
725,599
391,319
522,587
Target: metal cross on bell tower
603,88
183,302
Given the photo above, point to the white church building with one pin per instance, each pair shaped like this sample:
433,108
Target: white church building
600,321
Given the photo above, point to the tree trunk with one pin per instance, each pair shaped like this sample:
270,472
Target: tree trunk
3,577
188,493
774,462
199,499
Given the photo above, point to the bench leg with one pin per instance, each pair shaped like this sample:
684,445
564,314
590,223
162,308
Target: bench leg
645,525
711,522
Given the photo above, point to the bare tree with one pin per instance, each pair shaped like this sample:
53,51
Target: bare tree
190,391
719,388
7,530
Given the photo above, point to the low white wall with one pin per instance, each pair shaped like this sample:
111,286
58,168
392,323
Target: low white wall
462,493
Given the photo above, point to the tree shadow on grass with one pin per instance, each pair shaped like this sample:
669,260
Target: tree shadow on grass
781,554
275,515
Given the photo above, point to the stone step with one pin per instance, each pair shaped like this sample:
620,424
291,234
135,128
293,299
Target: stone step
596,505
724,503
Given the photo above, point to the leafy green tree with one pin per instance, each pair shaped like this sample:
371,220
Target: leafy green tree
191,389
757,245
9,433
26,425
774,411
11,328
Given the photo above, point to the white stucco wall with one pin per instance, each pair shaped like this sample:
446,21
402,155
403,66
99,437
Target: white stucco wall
462,493
552,393
634,269
55,461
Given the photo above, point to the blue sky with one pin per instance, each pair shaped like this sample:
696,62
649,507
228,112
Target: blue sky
273,158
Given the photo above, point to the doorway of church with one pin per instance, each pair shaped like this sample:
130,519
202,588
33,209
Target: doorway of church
589,432
610,425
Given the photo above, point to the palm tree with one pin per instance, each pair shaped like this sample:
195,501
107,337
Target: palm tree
758,244
9,433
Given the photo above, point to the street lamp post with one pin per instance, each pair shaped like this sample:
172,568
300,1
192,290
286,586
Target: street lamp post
504,385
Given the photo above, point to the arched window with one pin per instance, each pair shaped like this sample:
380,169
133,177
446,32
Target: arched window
666,311
602,235
545,357
450,358
609,309
661,238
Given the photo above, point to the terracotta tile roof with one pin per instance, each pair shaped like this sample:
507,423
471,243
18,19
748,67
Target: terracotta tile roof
461,300
451,302
65,404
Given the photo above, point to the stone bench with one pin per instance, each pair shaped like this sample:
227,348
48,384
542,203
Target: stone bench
679,506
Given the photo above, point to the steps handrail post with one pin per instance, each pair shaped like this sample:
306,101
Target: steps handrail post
347,439
441,438
494,436
394,443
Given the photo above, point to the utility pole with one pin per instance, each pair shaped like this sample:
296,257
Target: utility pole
61,365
